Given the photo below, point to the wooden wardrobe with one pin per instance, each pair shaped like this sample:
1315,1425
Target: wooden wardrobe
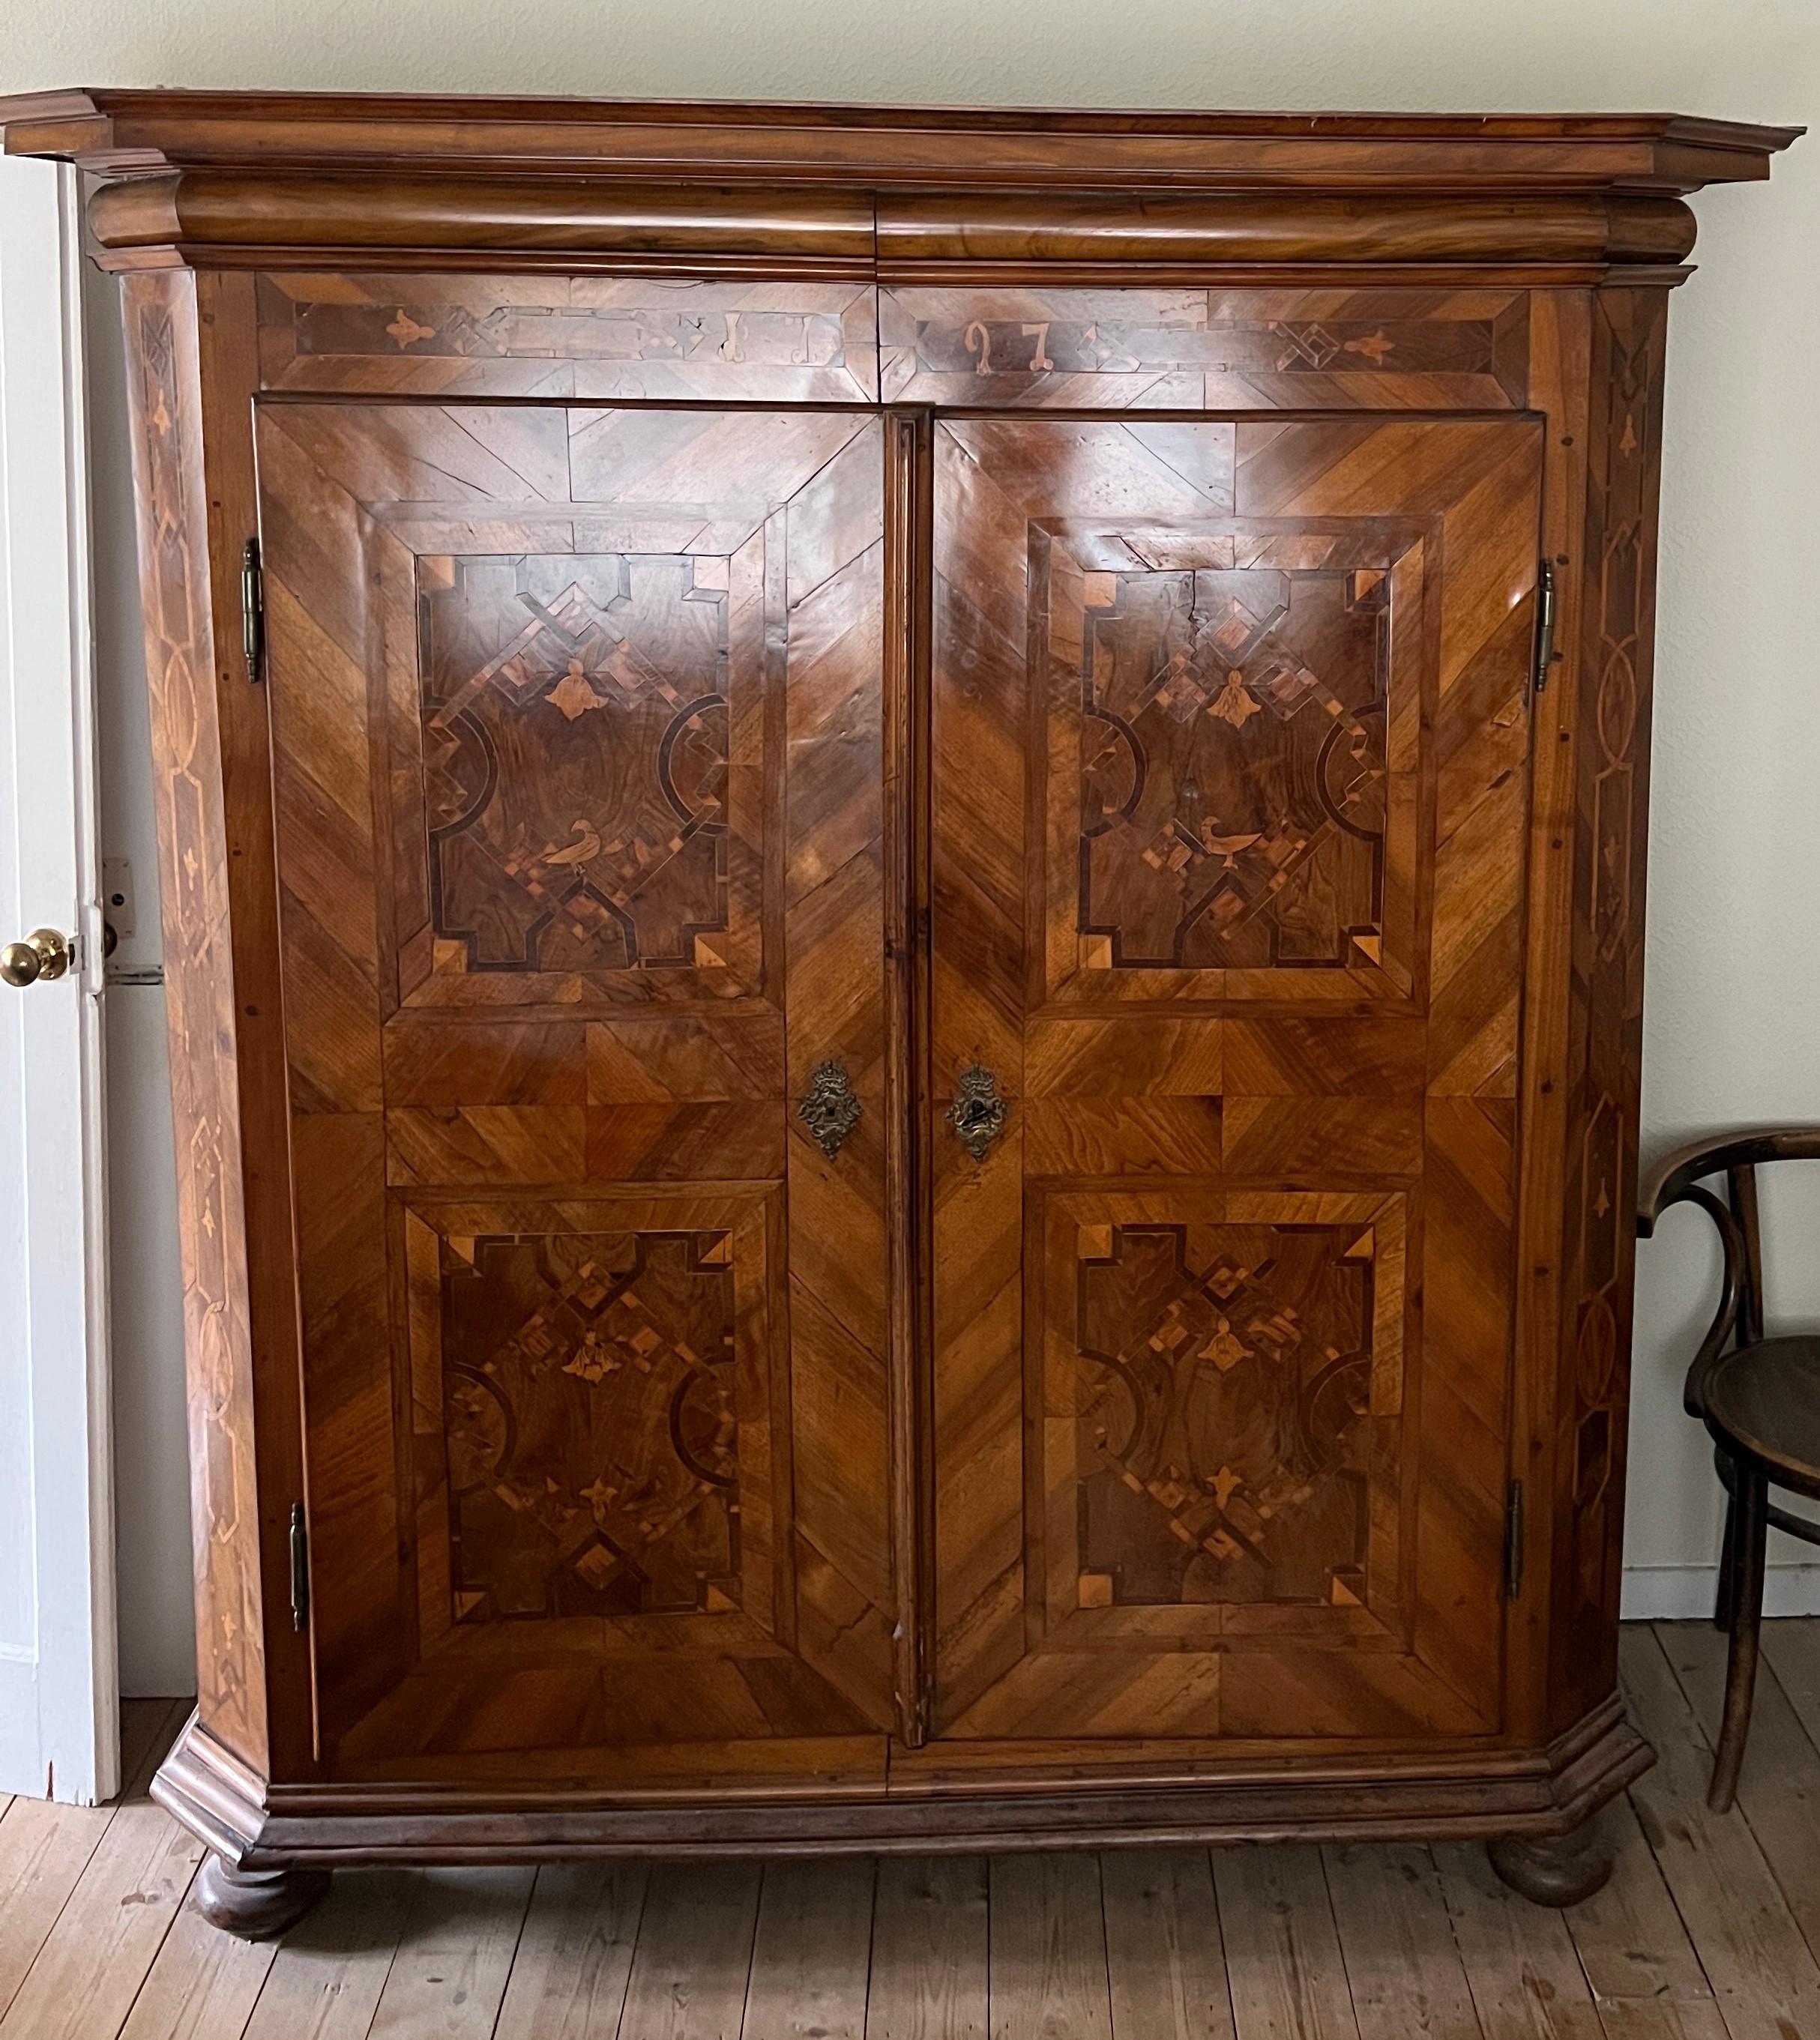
903,871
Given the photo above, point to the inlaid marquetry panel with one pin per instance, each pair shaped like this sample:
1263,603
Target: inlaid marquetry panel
1240,806
574,715
615,338
1605,1038
162,341
1224,1366
1230,762
598,337
1046,346
577,721
591,1414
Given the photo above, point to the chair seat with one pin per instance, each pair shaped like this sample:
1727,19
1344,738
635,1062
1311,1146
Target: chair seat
1765,1400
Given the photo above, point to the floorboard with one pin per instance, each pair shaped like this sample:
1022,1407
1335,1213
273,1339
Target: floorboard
83,1980
1521,1965
1792,1651
98,1889
1778,1791
930,1950
1402,1963
454,1953
325,1982
202,1984
45,1848
1709,1929
1762,1974
1047,1935
1287,1975
575,1954
1645,1976
44,1851
1165,1959
812,1953
694,1956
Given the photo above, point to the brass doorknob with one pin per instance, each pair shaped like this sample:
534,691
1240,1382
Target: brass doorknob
43,954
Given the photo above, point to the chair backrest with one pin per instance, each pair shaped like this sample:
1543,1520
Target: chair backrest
1677,1178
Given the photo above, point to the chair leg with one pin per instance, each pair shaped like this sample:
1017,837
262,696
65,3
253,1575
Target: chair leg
1727,1553
1750,1534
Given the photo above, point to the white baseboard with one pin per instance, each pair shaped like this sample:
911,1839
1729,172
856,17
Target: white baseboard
1685,1593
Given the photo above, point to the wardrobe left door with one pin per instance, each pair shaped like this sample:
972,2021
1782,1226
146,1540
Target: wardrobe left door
576,720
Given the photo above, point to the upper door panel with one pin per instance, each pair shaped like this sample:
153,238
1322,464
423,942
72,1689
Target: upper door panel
1229,770
577,744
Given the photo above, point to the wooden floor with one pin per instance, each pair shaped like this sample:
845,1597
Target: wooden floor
1710,1928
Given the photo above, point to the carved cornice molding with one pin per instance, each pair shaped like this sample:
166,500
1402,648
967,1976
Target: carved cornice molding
112,132
240,179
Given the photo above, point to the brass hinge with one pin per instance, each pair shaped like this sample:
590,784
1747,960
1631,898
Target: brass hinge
1546,655
1513,1541
300,1568
253,613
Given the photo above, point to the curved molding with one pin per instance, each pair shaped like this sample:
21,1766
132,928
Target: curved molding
313,211
1243,227
238,217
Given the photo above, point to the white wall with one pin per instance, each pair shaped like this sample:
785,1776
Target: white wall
1734,951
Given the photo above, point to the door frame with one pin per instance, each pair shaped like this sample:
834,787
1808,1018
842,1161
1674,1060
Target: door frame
59,1678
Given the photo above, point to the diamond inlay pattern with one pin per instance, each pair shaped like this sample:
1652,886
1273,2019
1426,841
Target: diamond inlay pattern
575,738
1233,768
1224,1375
589,1398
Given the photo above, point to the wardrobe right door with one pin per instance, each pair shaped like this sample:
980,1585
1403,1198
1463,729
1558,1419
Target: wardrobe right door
1230,774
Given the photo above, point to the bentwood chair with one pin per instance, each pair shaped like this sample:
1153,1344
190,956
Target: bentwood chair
1760,1400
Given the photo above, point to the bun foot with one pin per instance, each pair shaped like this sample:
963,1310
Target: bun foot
256,1903
1554,1869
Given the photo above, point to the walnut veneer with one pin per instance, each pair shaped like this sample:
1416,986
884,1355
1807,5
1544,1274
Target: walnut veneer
905,1008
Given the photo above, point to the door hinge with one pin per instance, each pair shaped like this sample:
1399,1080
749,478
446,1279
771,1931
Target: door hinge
300,1568
1513,1541
252,611
1546,655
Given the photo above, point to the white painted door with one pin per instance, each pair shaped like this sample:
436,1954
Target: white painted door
59,1713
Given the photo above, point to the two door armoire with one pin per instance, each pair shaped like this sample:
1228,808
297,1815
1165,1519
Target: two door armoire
902,860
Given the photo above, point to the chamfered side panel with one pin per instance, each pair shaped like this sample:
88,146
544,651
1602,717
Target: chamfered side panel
1617,640
591,1430
164,398
1230,794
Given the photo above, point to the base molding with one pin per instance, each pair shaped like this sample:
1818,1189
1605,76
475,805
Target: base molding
254,1825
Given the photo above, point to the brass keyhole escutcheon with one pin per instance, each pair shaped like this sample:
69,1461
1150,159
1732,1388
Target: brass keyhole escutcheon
978,1112
831,1111
44,956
